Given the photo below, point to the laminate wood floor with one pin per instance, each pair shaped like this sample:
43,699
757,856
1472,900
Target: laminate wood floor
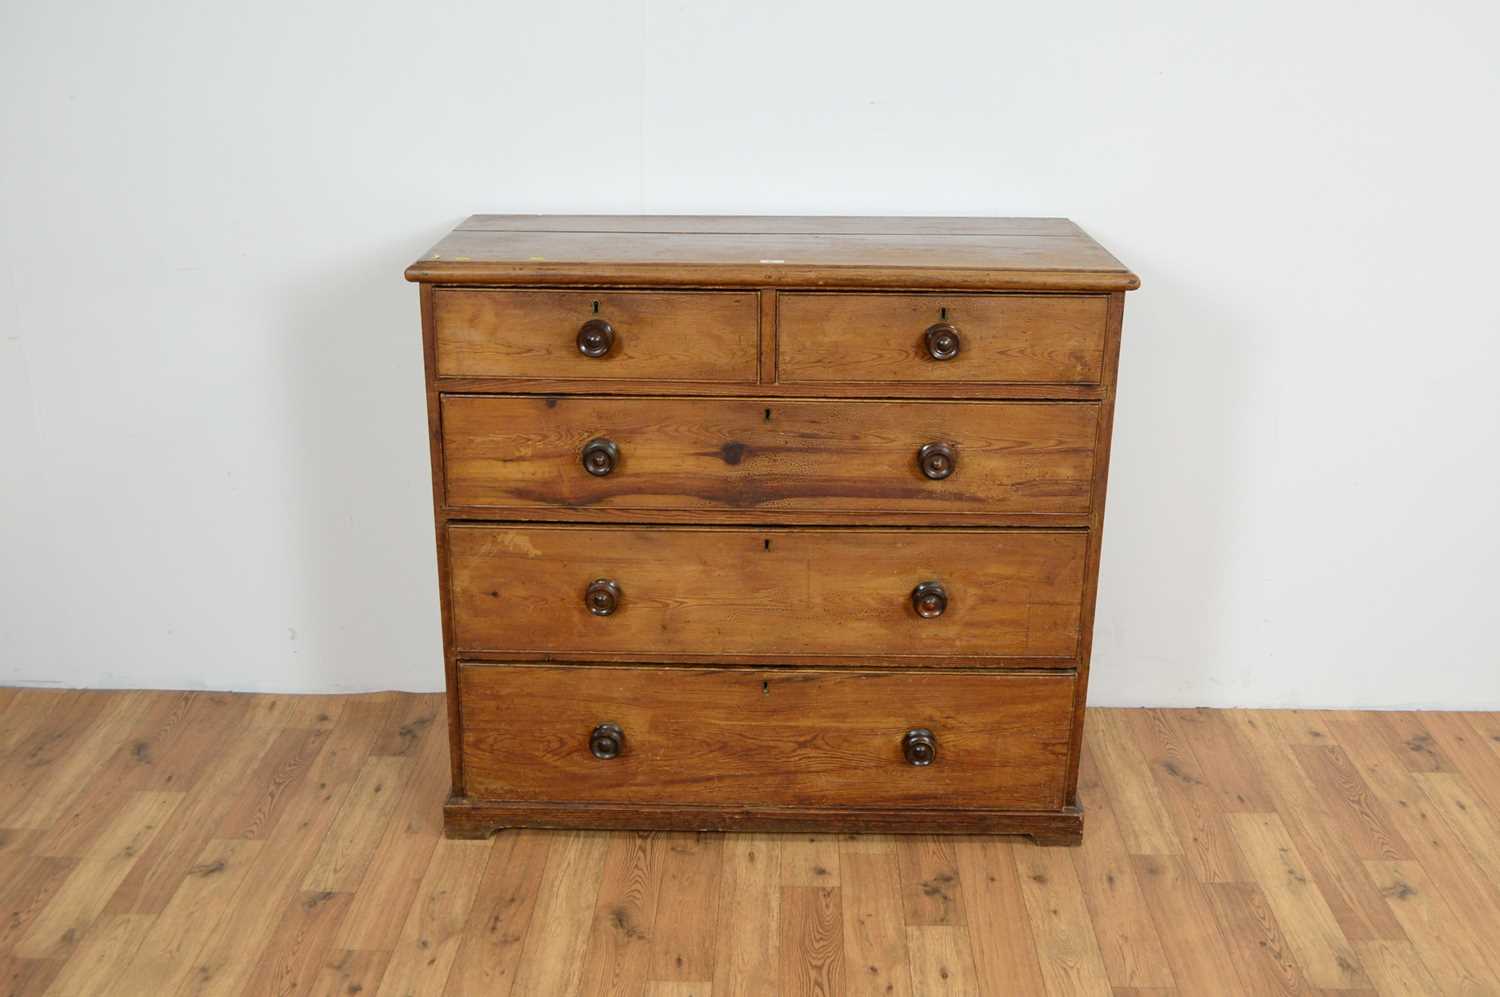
204,843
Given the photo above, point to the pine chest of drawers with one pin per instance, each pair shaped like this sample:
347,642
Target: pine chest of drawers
777,523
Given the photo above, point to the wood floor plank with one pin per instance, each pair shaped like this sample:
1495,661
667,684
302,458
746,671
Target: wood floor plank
176,850
1200,959
1458,739
25,977
942,961
231,954
93,966
347,972
294,958
683,944
1065,942
617,958
1314,827
810,942
809,859
177,838
1126,776
1325,955
746,963
1395,968
340,864
1248,925
1123,928
78,902
88,797
168,952
1366,828
1240,786
434,930
267,788
931,892
1407,735
491,949
1000,938
1425,827
551,959
1449,947
1193,807
41,770
875,953
27,893
378,913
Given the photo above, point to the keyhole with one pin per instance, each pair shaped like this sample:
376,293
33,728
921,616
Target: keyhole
768,415
765,688
596,308
768,544
942,312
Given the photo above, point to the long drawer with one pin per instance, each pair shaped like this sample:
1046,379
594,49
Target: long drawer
803,458
600,334
765,737
939,339
922,596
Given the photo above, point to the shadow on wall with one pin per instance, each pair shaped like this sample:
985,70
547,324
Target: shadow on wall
1162,631
351,351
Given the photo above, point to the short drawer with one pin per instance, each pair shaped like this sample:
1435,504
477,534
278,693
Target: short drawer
803,458
597,335
768,593
941,338
757,737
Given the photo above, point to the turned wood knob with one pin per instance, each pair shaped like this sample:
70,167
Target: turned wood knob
608,740
937,460
942,341
599,456
929,600
595,337
919,746
602,596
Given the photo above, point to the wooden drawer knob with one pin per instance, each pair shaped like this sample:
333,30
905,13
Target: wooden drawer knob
600,456
595,337
937,460
602,596
942,341
608,740
919,746
929,600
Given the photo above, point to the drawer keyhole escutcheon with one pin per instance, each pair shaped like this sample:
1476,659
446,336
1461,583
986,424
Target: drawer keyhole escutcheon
919,746
607,741
600,456
595,337
929,599
602,596
942,341
937,460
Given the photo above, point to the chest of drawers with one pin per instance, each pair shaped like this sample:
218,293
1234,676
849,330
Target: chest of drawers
775,523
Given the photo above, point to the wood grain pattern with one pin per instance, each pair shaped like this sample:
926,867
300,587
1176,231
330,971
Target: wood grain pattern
878,338
789,593
520,456
604,914
679,336
1050,254
748,737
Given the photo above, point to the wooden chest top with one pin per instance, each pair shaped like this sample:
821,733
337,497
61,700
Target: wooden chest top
743,251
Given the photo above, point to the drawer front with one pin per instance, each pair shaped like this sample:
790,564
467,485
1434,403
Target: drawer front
772,455
756,737
768,593
883,338
659,336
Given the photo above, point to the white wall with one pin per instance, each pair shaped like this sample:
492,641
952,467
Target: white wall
213,469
